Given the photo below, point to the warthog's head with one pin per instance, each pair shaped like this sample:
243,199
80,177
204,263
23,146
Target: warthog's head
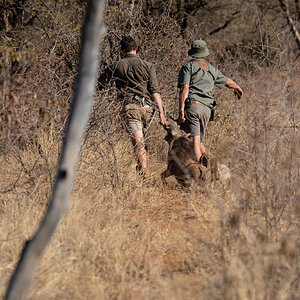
173,131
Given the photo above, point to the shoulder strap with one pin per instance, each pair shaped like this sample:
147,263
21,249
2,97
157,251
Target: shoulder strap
203,64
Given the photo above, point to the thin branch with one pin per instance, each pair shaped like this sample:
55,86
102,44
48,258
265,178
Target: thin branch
286,11
82,101
225,24
297,4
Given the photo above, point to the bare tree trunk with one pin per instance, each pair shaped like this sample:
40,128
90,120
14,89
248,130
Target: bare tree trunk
82,101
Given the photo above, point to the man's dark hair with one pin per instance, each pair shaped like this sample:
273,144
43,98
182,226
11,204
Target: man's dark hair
128,44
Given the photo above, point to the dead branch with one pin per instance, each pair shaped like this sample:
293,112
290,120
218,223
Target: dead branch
297,4
82,101
293,28
227,22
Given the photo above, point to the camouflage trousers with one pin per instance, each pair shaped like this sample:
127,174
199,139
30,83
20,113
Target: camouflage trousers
137,117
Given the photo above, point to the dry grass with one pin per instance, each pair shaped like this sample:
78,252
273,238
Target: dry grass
122,239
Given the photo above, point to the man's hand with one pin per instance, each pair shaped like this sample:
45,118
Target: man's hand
181,118
163,120
157,99
238,93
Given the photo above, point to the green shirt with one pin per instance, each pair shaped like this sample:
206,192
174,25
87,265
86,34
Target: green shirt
201,82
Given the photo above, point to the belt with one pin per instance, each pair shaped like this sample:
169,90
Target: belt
137,100
213,104
140,101
198,102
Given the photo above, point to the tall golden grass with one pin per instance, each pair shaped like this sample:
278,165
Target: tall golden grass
122,239
125,239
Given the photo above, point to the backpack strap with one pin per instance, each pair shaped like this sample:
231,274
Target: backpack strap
202,64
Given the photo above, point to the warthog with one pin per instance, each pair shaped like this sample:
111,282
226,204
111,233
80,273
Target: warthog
181,158
182,163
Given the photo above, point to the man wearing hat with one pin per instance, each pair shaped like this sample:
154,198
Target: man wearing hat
196,81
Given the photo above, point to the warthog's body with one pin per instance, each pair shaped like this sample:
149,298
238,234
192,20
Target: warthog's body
182,163
181,158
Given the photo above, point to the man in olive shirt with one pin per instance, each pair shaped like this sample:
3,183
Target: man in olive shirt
196,80
137,87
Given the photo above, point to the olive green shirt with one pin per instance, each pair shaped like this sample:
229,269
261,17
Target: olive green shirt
133,76
201,82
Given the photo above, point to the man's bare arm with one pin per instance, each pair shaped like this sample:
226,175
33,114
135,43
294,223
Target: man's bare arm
183,94
237,90
157,99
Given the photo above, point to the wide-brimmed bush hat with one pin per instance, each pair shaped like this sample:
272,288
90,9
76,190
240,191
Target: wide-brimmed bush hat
198,49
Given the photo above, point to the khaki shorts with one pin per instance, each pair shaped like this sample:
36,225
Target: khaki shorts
197,117
137,117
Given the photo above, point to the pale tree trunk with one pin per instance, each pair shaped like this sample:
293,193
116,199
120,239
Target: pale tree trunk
82,102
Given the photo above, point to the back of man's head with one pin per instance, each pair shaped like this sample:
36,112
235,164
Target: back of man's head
128,44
